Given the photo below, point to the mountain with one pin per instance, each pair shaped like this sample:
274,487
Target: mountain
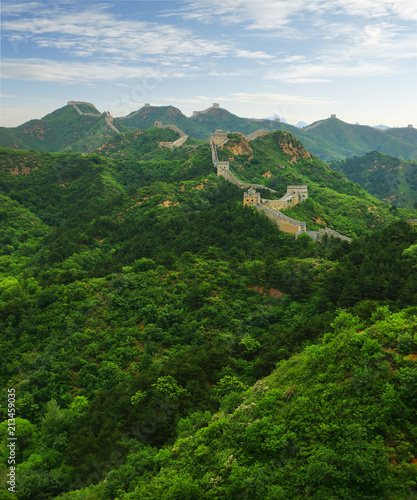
327,423
384,176
331,139
60,130
406,134
165,341
301,124
381,127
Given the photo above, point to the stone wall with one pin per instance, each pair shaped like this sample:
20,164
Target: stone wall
109,121
284,223
216,105
77,109
317,235
271,208
158,124
218,138
179,142
256,134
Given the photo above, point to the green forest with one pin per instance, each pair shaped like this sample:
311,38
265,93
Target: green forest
165,342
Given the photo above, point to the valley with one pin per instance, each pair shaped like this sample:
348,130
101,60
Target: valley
165,339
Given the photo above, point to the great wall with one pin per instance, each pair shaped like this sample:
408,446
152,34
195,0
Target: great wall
108,118
176,144
271,208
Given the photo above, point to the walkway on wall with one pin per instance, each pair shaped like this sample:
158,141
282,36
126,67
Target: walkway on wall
108,118
284,223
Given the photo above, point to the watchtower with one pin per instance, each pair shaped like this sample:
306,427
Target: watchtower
300,191
218,137
251,197
222,167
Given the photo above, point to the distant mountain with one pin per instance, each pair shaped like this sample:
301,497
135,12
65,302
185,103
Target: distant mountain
301,124
330,140
390,179
381,127
62,129
406,134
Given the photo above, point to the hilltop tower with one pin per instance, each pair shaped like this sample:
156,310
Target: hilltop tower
251,197
300,192
218,137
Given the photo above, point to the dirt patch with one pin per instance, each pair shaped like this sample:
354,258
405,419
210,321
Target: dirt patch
273,292
168,203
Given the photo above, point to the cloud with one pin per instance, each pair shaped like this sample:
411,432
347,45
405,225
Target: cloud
17,8
274,99
95,32
275,14
43,70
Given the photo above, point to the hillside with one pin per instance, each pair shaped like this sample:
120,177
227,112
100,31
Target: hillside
390,179
279,159
333,139
335,421
329,140
60,130
140,302
406,134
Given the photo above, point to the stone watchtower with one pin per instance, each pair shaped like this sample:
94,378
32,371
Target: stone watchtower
222,167
218,137
301,193
251,197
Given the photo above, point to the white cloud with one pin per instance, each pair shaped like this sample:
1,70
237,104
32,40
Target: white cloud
13,8
274,99
98,33
41,70
275,14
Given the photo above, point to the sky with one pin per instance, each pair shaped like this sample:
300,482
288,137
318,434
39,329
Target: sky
301,60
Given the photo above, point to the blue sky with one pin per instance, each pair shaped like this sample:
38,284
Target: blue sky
299,59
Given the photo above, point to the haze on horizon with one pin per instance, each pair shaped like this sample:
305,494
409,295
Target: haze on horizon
300,60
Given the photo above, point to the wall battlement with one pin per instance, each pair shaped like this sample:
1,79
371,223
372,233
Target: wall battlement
77,109
271,208
216,105
158,124
256,134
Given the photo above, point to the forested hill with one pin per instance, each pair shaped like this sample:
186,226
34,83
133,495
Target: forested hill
330,139
166,342
390,179
63,129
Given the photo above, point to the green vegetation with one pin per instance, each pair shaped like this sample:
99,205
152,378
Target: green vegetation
329,140
388,178
166,342
61,130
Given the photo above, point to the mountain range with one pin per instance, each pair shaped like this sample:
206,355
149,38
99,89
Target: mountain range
164,341
390,179
330,139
